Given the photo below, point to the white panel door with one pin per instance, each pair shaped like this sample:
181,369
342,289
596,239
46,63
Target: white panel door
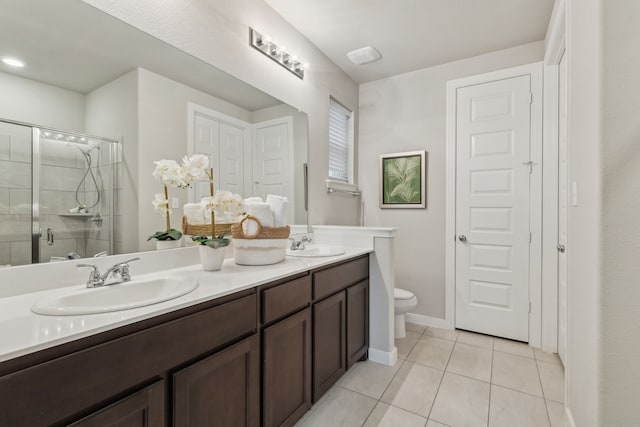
563,209
207,141
231,159
271,161
492,207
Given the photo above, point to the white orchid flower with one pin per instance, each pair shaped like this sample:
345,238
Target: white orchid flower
161,204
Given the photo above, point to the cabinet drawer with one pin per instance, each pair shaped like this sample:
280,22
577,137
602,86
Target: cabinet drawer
57,390
334,279
286,298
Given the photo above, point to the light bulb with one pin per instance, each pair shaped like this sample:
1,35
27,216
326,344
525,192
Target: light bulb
13,62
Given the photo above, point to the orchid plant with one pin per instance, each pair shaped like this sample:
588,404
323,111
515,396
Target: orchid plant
172,174
224,203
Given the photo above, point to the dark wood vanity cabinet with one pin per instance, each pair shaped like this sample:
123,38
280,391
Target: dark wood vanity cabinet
286,338
357,322
106,377
329,343
258,357
220,390
144,408
340,321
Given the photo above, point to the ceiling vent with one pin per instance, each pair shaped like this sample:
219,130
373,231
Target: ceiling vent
364,55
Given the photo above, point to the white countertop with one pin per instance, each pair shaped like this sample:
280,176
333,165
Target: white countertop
23,332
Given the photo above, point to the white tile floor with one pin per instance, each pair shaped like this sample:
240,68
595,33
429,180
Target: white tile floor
448,378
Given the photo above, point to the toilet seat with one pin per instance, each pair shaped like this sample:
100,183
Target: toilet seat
402,294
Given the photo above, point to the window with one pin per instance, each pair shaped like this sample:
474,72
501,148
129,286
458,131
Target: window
340,143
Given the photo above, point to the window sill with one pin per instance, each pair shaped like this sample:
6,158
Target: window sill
340,186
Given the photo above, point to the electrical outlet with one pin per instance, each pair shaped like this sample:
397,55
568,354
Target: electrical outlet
175,203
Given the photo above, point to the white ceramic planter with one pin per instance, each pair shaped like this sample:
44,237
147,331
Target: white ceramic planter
211,258
168,244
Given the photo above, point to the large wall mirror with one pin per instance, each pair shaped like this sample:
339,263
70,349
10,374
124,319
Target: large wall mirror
94,105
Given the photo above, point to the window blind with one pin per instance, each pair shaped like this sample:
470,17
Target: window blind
339,141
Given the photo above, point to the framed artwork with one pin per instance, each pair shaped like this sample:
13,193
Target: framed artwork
403,180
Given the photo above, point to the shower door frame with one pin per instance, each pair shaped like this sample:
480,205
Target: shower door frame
36,164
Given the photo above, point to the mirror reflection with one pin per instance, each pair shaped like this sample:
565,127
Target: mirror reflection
83,118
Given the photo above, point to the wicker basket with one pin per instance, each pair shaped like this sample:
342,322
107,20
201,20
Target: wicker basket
267,246
203,229
262,233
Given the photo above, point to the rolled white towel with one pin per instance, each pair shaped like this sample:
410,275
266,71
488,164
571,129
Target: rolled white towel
280,207
194,213
262,211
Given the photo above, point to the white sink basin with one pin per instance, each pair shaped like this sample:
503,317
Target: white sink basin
316,251
137,293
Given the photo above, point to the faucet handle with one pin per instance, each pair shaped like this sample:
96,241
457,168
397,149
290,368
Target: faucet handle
94,278
124,269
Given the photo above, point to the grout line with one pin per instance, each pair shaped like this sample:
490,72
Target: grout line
490,387
546,408
444,372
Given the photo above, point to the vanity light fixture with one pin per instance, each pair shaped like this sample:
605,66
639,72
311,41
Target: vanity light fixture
277,53
12,62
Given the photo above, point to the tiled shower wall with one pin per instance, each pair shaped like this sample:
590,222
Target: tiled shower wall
15,195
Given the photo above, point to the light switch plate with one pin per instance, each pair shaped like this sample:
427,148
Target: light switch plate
175,203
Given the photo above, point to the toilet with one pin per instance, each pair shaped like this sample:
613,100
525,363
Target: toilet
404,302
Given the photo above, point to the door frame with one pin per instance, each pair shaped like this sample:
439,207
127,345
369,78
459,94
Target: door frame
535,71
556,43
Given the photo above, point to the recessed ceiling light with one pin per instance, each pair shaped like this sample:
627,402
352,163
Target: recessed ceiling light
364,55
13,62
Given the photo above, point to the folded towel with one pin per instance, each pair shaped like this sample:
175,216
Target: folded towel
194,213
262,211
280,207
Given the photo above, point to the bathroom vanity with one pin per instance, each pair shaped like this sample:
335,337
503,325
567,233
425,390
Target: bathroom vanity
258,355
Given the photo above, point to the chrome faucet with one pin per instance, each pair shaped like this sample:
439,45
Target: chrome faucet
121,269
298,245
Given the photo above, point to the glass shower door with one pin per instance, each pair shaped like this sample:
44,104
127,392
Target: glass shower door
75,196
16,145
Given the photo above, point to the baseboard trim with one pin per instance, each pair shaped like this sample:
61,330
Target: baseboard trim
388,358
569,417
421,320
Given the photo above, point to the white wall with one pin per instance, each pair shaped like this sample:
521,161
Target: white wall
112,112
405,113
620,150
29,101
583,249
162,134
217,32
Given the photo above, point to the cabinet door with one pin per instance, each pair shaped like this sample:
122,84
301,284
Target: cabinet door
221,390
357,322
287,370
329,343
142,409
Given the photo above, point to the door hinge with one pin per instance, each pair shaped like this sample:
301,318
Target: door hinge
530,237
530,97
529,306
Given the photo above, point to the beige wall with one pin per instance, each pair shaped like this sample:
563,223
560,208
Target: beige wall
405,113
583,248
217,32
620,151
29,101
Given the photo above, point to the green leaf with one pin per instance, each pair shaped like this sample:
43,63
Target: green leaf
163,235
217,243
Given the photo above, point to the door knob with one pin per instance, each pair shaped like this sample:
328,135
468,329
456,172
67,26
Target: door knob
462,238
561,248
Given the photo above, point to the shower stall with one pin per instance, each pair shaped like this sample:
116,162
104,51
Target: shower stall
57,194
